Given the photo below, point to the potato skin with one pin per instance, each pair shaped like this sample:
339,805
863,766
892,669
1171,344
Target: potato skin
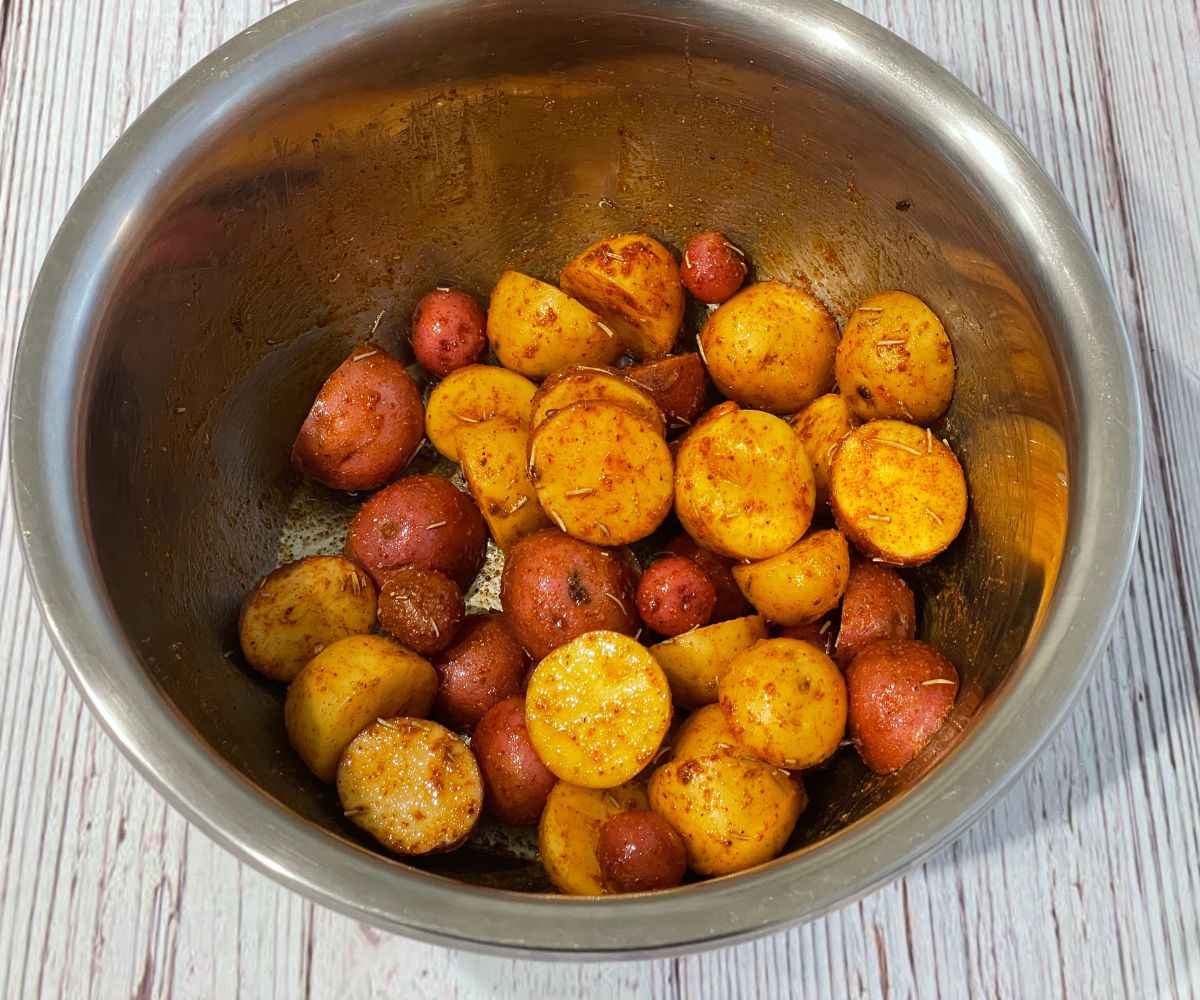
877,605
448,331
675,595
421,521
516,782
713,268
820,426
484,666
801,583
820,633
730,601
639,851
570,826
422,608
365,425
901,691
695,660
473,394
677,384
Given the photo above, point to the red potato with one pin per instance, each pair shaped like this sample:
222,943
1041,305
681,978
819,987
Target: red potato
420,521
900,693
365,425
675,595
677,384
713,268
422,608
820,633
448,331
639,851
877,605
484,666
515,781
731,603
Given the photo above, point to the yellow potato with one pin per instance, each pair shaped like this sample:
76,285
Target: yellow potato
897,492
694,660
820,426
299,609
786,702
473,394
800,584
492,455
602,473
535,328
895,360
743,485
597,709
705,732
412,785
632,282
570,826
733,812
347,686
771,347
579,383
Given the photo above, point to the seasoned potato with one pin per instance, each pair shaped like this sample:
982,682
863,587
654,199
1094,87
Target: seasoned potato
365,426
820,633
694,661
597,709
713,268
897,492
412,785
297,610
743,485
632,282
448,331
677,384
346,686
786,702
535,328
730,602
771,347
895,360
705,732
638,851
901,691
516,782
877,605
800,584
675,595
602,473
421,607
421,521
483,667
579,384
733,812
820,426
494,463
471,395
570,826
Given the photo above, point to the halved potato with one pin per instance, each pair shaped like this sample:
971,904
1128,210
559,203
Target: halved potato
471,395
602,473
693,661
897,492
492,455
344,688
703,733
597,709
569,827
820,426
801,583
632,282
412,785
580,383
535,328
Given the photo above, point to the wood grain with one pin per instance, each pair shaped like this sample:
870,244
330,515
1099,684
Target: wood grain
1083,882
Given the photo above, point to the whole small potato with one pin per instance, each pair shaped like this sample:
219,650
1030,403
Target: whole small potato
877,605
484,666
365,426
422,608
515,780
730,601
421,521
675,595
448,331
639,851
677,384
555,587
901,691
713,268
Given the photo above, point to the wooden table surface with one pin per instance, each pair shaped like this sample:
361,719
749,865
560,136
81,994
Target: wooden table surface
1084,881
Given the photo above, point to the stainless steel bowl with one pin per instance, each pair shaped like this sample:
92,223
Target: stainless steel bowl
307,181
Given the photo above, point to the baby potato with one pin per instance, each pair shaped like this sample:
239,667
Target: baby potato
365,426
901,691
632,282
535,328
472,395
820,633
579,383
421,608
743,485
801,583
694,661
895,360
597,709
675,595
820,426
877,605
570,827
677,384
771,347
448,331
297,610
730,602
484,666
493,458
705,732
412,785
897,492
786,702
602,473
733,812
713,268
516,782
346,686
639,851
